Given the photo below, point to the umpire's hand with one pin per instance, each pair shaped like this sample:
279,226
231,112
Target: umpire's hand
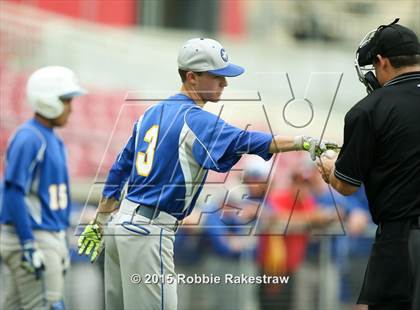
326,164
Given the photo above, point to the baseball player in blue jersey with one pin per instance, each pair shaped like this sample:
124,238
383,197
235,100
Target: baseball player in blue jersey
165,162
36,199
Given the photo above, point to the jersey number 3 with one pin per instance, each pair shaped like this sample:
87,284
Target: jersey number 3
144,161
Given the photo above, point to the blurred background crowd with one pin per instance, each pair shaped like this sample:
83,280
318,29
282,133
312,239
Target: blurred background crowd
286,223
275,218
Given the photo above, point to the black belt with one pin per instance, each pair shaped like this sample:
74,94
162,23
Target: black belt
413,222
150,212
416,222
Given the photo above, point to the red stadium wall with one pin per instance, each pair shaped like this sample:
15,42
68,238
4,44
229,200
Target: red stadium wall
232,17
124,13
111,12
99,125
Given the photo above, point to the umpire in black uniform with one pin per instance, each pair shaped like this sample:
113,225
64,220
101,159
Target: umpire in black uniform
382,150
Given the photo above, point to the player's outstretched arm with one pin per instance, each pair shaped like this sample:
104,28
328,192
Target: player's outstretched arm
314,146
282,144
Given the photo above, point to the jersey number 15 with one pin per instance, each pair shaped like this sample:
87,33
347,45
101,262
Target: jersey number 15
58,196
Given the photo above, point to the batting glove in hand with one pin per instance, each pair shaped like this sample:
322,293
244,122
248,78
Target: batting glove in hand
314,146
90,242
32,259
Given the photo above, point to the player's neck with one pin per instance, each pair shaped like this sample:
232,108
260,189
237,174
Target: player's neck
46,122
192,93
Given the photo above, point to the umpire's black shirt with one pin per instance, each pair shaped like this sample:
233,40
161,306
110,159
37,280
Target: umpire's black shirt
382,148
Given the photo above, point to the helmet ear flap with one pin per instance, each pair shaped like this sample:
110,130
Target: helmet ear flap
47,106
371,82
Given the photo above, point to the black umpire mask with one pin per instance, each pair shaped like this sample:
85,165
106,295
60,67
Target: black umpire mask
388,41
365,56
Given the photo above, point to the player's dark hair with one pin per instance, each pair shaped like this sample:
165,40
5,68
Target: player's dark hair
183,74
404,61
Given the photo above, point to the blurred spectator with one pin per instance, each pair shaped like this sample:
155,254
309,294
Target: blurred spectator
319,277
287,222
2,267
1,194
189,251
233,252
361,231
230,231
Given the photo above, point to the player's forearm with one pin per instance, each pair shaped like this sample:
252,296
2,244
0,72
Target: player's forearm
14,200
111,194
283,144
117,177
120,170
105,208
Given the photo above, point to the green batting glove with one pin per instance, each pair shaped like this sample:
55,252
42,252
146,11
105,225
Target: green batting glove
90,242
314,146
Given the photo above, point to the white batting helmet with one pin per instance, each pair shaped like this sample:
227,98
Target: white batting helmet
47,86
257,168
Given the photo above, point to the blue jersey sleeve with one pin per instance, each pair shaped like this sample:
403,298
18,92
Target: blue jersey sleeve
121,169
219,146
22,157
14,205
